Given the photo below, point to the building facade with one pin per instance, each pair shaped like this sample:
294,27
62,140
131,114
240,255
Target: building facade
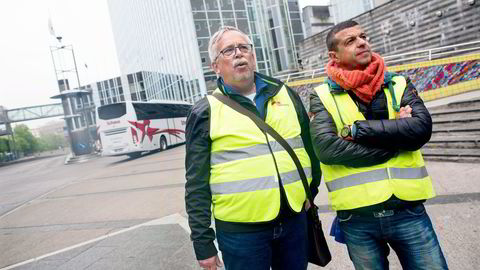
316,19
284,32
111,91
5,128
158,36
168,40
79,115
342,10
398,27
139,86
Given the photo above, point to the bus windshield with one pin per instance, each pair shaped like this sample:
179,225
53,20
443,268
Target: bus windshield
112,111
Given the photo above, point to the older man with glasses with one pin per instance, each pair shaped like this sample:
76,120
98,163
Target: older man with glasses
242,175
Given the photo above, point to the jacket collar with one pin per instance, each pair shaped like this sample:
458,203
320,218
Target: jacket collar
336,88
268,85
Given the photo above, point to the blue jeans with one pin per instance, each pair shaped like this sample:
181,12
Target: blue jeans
283,246
409,233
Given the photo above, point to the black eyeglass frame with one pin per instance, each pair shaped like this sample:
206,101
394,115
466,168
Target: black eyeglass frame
249,48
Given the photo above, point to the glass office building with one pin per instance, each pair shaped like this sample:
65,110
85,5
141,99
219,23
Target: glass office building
283,22
343,10
157,38
168,40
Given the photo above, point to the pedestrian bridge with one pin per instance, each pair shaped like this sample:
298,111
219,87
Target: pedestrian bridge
34,112
26,114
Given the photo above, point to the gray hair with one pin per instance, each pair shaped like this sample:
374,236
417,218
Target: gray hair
212,45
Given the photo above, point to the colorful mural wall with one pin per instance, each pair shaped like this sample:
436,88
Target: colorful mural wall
430,78
443,77
433,79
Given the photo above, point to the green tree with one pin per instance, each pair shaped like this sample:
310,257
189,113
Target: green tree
4,148
51,142
24,140
4,145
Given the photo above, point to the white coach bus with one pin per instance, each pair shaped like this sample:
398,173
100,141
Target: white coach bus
132,127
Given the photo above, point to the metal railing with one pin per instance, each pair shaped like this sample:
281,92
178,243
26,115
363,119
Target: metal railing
432,54
397,59
302,75
35,112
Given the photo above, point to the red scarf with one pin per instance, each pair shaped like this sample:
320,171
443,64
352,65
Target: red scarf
364,83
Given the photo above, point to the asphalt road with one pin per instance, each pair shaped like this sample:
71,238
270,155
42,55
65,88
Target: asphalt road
120,213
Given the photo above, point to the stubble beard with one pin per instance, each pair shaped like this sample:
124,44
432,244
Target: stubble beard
243,76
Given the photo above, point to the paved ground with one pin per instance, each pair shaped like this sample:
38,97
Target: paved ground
120,213
46,206
45,154
129,214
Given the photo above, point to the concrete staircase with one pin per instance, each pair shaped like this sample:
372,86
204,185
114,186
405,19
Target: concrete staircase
456,132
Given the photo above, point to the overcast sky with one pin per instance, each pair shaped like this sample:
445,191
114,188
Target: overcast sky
27,76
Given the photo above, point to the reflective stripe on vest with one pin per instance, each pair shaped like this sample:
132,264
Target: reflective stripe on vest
252,151
376,175
257,183
404,175
244,171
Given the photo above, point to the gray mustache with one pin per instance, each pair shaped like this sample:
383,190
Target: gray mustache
240,63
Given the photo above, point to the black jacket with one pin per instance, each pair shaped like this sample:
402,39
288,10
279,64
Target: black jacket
377,139
198,197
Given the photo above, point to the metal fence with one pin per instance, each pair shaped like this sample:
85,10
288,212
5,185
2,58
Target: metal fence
390,60
433,79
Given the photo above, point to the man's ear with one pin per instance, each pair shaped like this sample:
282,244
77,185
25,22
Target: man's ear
215,67
332,55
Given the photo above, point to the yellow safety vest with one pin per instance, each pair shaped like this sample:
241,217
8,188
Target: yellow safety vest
404,175
243,176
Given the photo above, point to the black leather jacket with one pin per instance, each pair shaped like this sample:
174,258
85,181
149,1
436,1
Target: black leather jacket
198,198
377,139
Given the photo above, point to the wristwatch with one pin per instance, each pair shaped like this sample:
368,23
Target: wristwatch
346,132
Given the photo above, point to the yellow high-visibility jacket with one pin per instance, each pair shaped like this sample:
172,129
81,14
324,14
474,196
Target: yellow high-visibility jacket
404,175
244,173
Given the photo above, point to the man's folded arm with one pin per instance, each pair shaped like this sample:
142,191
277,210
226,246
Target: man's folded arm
408,134
331,149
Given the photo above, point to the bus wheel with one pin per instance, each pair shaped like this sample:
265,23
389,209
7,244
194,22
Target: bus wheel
163,143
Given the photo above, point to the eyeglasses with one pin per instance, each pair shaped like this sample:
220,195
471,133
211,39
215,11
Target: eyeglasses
232,50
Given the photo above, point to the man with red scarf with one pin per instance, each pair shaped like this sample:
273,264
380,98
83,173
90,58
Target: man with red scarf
367,129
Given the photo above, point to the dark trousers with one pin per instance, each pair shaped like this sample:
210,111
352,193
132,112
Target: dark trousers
283,246
408,231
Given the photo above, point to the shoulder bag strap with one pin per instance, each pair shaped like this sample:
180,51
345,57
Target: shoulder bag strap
268,129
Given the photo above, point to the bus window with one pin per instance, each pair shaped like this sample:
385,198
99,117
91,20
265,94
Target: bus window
160,111
112,111
184,110
149,111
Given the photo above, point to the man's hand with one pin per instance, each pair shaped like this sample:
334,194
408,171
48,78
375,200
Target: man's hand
307,204
405,112
211,263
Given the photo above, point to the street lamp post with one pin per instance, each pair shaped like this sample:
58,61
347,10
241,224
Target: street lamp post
69,94
69,121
